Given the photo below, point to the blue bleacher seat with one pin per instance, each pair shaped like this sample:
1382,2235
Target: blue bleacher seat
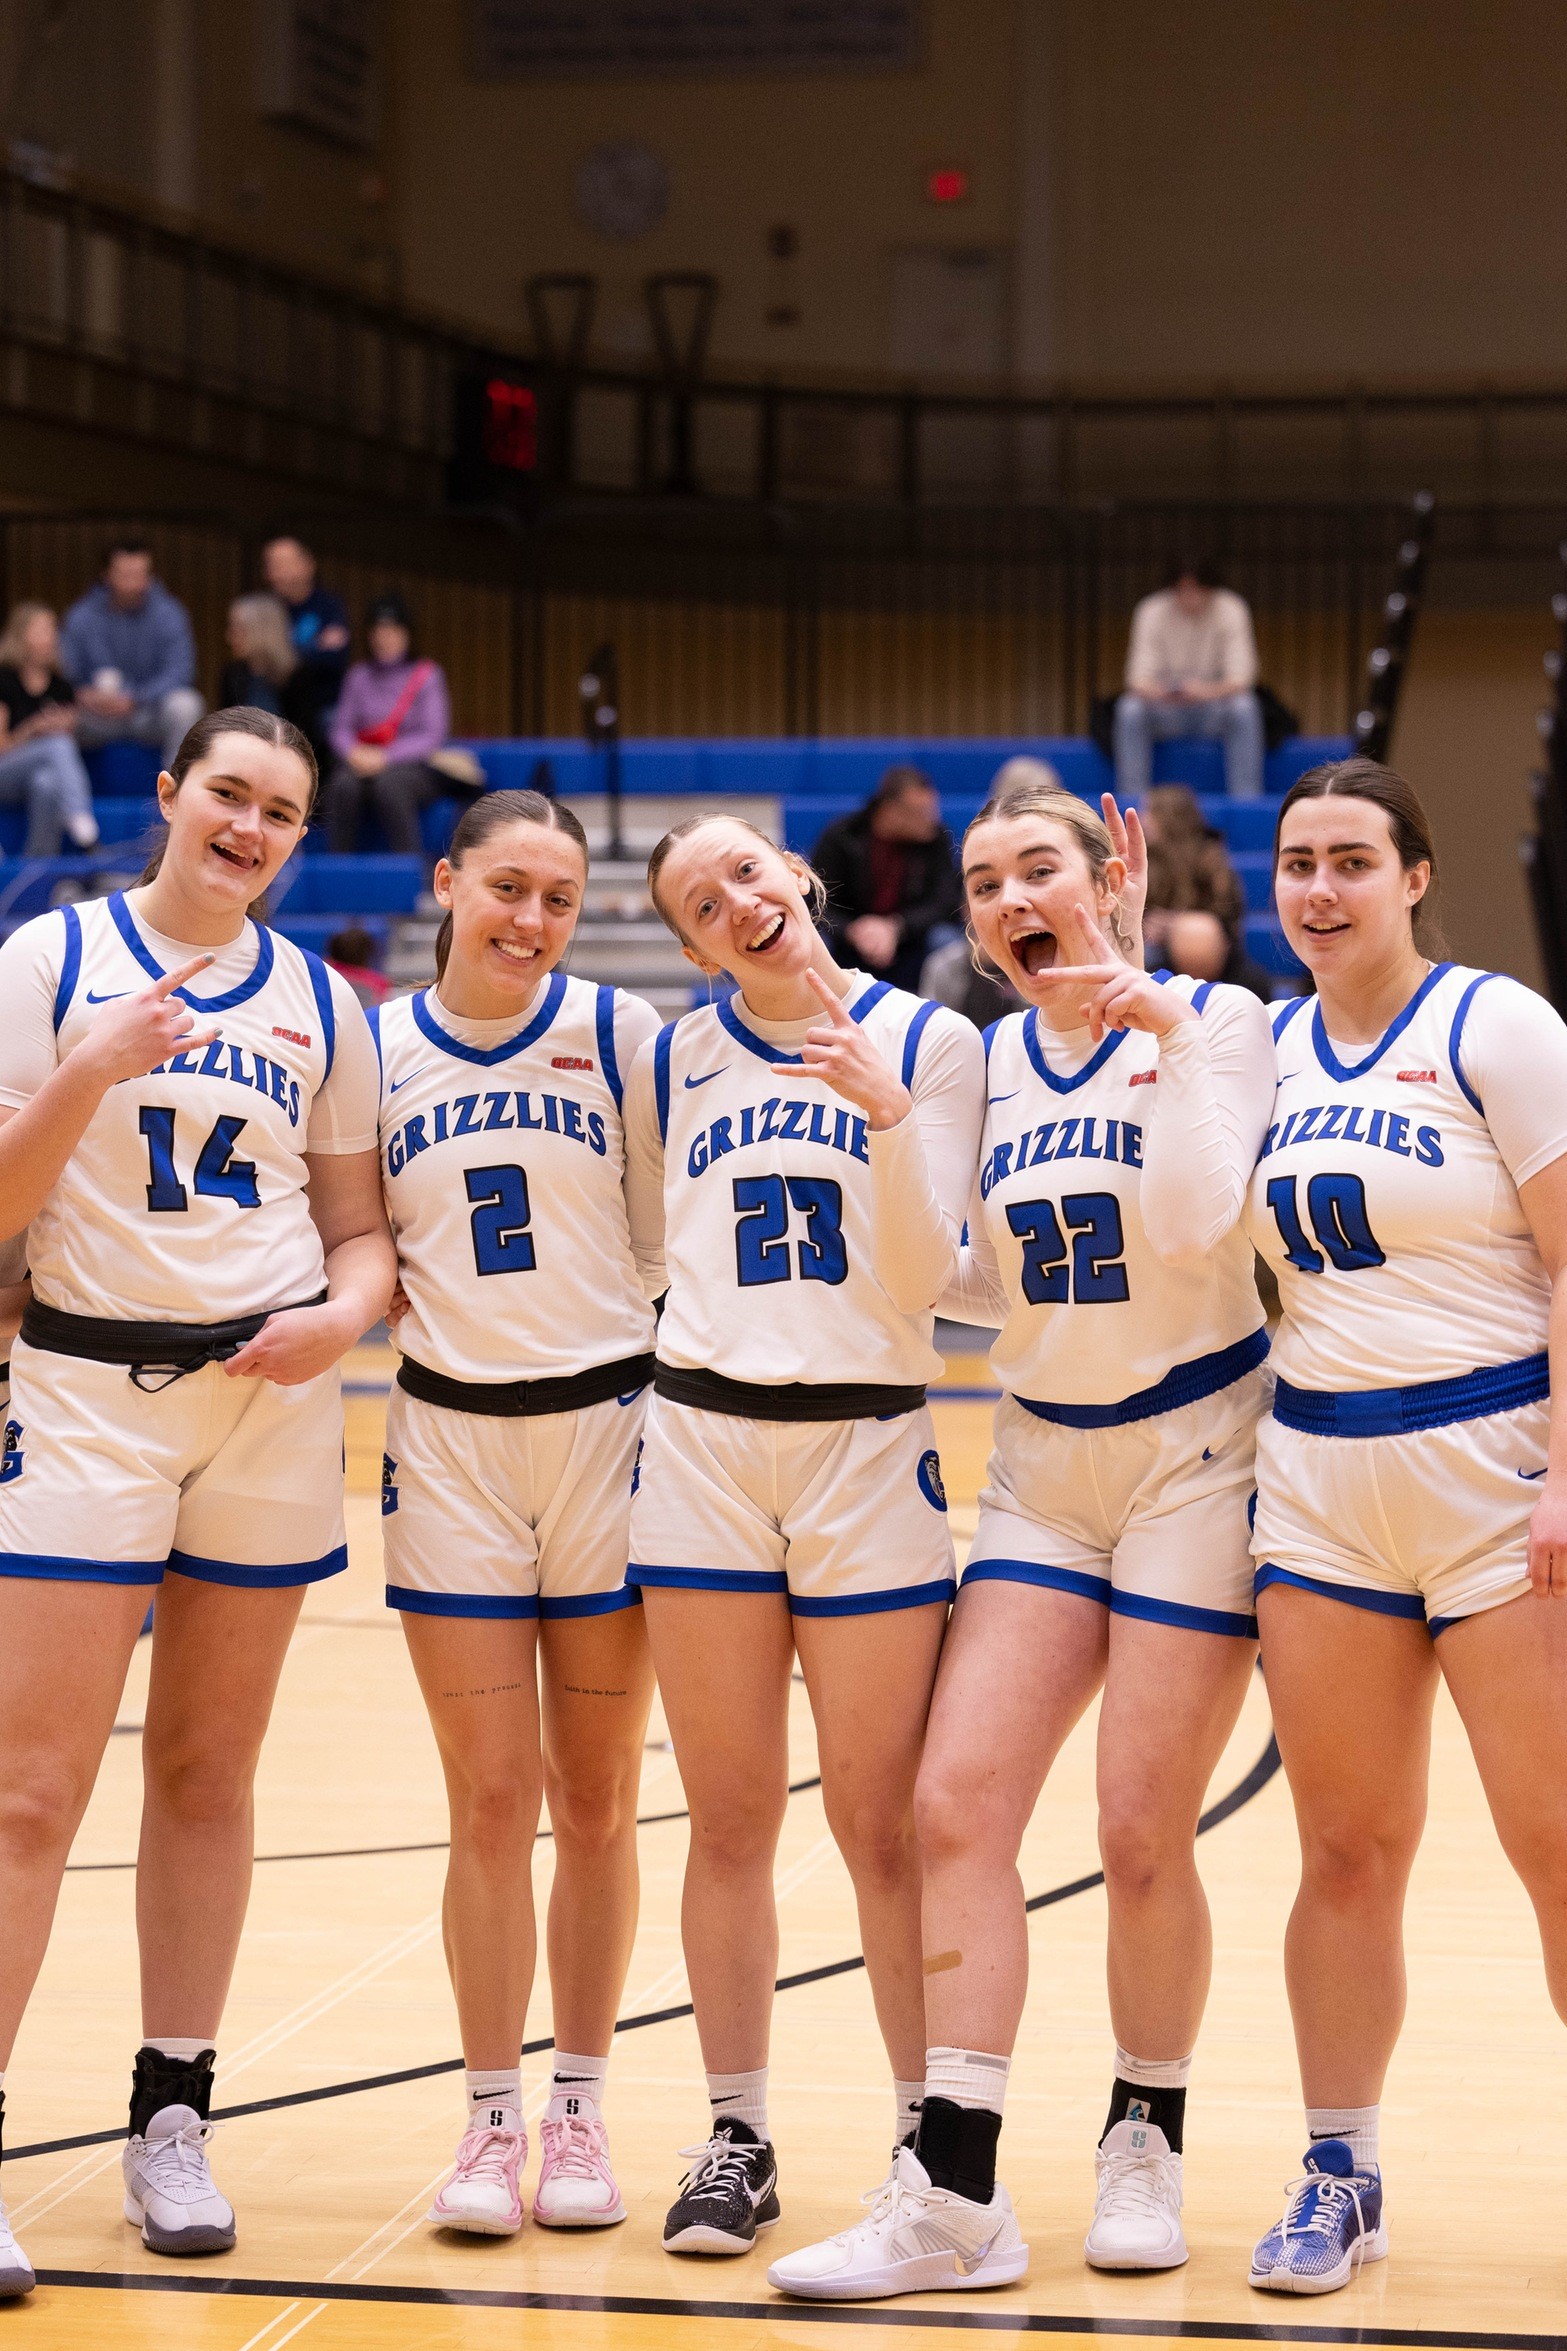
123,770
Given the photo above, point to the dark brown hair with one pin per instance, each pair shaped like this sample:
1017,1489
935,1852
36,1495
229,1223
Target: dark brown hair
263,726
1400,803
485,817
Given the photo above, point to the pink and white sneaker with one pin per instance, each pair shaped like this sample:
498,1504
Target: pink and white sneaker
576,2187
483,2195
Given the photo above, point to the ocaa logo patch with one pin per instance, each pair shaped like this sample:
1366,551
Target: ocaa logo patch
929,1475
12,1458
388,1485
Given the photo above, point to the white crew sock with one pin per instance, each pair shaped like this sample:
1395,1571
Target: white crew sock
496,2098
576,2082
1152,2073
179,2052
1357,2126
744,2095
907,2099
968,2077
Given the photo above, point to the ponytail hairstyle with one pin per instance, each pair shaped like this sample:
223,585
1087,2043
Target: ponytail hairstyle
1040,792
1400,803
490,814
262,726
809,879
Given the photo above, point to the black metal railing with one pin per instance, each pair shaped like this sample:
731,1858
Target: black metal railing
1400,613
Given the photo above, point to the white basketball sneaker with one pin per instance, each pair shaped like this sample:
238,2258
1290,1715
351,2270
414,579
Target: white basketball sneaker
483,2195
16,2271
576,2187
1137,2210
169,2191
916,2240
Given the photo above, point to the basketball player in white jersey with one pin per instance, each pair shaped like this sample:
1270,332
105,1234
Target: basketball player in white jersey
810,1138
513,1427
1411,1197
172,1079
1111,1552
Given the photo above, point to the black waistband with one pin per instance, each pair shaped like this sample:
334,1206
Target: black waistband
707,1391
518,1399
173,1347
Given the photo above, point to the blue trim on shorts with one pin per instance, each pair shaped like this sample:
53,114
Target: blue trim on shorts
591,1603
259,1579
1431,1404
1405,1604
708,1579
81,1571
321,987
877,1603
1148,1610
1455,1038
489,1604
911,1041
1030,1571
604,1023
71,966
1184,1383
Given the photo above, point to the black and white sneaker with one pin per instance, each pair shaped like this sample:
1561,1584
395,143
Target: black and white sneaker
729,2193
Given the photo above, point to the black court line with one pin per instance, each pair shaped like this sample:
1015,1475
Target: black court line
1241,1794
645,1820
849,2314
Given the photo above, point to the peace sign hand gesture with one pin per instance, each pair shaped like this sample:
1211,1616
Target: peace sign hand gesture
840,1051
145,1029
1115,996
1130,844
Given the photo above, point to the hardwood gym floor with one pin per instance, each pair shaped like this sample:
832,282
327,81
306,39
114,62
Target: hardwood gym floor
339,2052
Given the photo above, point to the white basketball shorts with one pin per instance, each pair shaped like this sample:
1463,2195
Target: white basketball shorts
489,1516
233,1481
1432,1524
847,1517
1149,1518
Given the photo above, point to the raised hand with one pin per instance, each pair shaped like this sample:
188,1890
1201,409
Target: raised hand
841,1052
1130,844
1114,995
143,1030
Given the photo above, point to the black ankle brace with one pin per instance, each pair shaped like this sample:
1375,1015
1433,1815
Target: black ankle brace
957,2146
158,2081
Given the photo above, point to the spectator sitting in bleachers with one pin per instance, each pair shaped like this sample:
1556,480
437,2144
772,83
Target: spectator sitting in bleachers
351,951
892,878
265,665
128,650
39,760
392,716
1191,669
1195,920
318,625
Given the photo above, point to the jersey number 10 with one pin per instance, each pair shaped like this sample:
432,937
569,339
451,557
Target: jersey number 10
1336,1205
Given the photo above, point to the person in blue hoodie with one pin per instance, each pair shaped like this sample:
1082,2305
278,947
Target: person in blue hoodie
128,650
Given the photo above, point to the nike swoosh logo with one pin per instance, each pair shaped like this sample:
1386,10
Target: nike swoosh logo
966,2263
112,997
993,1099
1206,1454
1531,1473
407,1081
707,1081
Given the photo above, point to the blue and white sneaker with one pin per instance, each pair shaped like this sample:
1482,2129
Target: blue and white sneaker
1332,2223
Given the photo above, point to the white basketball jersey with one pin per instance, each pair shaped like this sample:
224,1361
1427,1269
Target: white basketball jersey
1383,1206
504,1175
767,1207
1095,1315
185,1201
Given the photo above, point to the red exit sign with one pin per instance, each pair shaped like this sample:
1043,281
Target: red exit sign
511,426
947,183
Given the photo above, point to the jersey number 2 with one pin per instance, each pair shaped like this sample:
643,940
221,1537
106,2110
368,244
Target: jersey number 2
217,1172
502,1242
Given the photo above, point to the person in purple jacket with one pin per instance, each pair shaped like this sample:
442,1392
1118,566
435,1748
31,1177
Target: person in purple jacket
392,715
